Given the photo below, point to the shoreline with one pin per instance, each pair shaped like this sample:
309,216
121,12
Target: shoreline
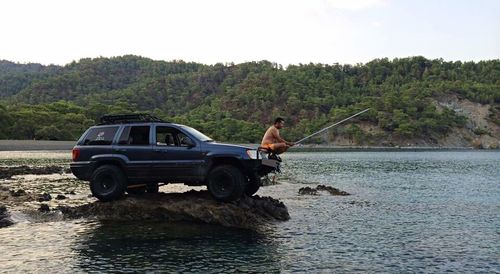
35,145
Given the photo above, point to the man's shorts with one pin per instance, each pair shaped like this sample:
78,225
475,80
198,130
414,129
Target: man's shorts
268,146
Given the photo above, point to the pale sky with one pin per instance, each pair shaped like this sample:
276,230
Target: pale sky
282,31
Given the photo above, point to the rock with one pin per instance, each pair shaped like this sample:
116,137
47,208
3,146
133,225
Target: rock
308,191
60,197
44,208
17,193
14,197
5,219
72,192
192,206
45,197
314,191
332,190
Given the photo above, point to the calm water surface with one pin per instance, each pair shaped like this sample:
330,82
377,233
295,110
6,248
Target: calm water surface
409,212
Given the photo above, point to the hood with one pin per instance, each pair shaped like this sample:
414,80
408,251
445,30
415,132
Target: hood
228,146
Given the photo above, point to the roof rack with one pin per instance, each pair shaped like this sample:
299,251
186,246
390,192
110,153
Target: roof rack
129,118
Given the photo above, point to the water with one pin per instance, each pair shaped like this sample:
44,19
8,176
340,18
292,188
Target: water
409,212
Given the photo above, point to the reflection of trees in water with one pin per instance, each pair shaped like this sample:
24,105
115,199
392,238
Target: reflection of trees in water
147,246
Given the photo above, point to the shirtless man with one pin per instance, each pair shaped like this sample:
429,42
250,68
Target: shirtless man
272,139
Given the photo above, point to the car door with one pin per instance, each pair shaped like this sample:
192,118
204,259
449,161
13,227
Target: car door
134,147
177,156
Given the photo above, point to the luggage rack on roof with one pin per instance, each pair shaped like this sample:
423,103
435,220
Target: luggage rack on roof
129,118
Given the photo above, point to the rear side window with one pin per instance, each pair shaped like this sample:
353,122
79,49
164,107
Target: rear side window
135,136
100,136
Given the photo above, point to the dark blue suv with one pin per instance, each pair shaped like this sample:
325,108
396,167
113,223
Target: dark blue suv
136,153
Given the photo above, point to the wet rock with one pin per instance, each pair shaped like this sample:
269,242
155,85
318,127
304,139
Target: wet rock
193,206
45,197
9,171
308,191
332,190
14,197
60,197
315,191
44,208
17,193
5,219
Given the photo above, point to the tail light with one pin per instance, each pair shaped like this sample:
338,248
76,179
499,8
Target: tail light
75,153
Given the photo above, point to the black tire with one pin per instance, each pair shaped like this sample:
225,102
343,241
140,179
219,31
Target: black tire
108,183
252,186
136,190
152,188
226,183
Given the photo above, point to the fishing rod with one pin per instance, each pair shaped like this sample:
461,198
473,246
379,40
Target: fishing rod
317,132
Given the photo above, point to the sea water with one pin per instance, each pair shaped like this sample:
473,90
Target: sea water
430,211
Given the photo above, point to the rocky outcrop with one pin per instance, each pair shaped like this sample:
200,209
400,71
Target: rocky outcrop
192,206
315,191
308,191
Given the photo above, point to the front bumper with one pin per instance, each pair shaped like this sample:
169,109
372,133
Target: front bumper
262,167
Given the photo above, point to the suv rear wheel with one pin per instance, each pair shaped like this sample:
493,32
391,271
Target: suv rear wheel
108,183
226,183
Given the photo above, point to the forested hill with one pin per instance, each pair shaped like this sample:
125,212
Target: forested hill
413,101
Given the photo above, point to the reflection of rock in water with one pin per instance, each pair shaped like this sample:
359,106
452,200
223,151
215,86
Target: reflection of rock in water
7,172
5,219
129,246
314,191
194,206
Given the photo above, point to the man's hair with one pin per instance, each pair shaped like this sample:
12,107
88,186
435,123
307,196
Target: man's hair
278,120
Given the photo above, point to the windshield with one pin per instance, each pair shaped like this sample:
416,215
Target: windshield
198,135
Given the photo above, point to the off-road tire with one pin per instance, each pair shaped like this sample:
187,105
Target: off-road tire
226,183
108,183
252,186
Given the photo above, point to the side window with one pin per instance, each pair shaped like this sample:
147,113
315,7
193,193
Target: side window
168,136
134,136
100,136
184,140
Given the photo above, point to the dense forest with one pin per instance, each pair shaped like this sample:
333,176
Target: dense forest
236,102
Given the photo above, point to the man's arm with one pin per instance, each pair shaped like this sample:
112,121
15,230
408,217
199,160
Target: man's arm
277,136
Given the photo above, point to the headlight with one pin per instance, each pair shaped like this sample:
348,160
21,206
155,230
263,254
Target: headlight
252,153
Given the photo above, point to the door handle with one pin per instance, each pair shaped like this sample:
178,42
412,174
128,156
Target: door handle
161,150
120,150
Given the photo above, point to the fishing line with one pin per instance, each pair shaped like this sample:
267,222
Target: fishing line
317,132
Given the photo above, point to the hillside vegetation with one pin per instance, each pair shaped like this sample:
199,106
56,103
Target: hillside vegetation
408,98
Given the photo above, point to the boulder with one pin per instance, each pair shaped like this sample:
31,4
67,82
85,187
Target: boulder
192,206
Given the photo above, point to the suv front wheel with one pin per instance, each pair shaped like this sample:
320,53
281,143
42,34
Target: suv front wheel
226,183
108,183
